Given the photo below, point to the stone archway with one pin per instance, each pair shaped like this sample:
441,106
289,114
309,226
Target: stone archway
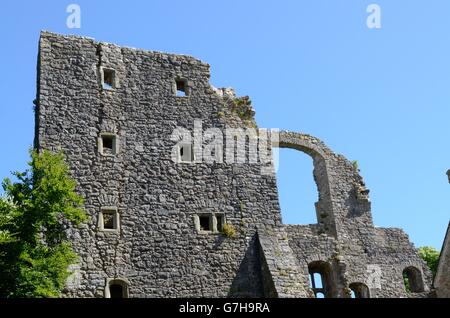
317,150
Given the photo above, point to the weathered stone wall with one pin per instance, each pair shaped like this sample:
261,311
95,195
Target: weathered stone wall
442,279
281,270
157,250
345,238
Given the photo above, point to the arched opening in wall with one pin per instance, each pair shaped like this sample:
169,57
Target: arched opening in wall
359,290
297,189
320,279
116,288
412,279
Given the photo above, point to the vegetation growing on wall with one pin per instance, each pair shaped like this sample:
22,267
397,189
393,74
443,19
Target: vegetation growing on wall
229,230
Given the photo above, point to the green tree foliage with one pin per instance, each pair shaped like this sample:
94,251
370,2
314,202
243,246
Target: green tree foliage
431,256
34,251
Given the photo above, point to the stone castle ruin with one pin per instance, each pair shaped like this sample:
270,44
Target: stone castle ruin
162,228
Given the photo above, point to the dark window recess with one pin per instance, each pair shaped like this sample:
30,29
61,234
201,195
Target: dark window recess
108,79
116,291
205,223
108,220
181,87
219,219
412,279
359,290
108,144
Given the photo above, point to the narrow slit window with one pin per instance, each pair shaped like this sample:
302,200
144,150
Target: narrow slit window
181,87
108,79
220,222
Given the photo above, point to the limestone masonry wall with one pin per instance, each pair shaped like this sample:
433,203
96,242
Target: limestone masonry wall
118,145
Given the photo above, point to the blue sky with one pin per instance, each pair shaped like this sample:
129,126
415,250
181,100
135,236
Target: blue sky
379,96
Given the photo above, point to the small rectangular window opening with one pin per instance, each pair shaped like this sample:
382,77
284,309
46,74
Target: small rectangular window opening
108,79
109,220
181,88
205,223
108,144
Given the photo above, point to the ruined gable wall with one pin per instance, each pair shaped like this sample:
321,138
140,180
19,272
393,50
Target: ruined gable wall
345,237
157,249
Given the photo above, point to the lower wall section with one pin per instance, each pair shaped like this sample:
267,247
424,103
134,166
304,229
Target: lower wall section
378,264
